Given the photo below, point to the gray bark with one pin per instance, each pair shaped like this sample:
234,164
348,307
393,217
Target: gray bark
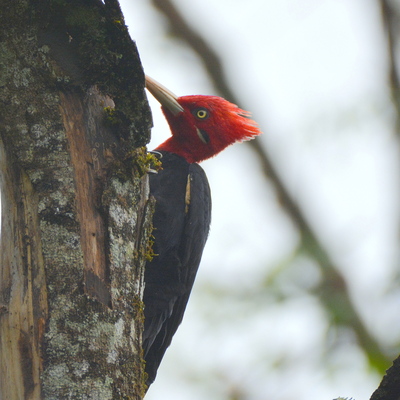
76,216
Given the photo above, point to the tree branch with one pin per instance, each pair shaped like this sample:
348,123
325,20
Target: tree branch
389,389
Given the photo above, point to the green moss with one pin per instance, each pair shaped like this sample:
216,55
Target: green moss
145,162
141,387
112,116
149,254
138,307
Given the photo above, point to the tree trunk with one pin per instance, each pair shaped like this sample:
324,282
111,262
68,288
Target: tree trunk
76,217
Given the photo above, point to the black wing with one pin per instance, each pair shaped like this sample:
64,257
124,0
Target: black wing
181,223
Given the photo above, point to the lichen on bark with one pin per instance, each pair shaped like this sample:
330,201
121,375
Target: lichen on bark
85,220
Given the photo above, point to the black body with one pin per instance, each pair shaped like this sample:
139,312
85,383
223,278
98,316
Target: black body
181,223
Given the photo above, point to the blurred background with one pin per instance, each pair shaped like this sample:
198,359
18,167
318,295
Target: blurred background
297,296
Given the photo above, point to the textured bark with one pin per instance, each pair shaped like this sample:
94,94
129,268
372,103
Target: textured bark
23,295
76,217
389,388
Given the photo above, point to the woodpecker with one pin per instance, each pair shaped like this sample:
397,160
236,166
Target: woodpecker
201,127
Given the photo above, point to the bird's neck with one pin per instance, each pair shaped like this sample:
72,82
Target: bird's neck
172,145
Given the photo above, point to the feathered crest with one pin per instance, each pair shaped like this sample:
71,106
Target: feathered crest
237,122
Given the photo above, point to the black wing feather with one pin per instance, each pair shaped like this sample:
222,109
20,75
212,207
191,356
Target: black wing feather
181,225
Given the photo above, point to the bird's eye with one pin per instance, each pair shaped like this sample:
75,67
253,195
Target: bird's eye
201,113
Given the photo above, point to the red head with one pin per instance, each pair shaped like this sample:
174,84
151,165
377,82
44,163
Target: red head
201,126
